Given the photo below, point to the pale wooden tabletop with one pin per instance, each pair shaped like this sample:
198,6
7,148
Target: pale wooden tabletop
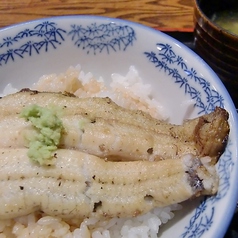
165,15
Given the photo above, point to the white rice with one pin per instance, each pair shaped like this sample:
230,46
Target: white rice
130,92
127,91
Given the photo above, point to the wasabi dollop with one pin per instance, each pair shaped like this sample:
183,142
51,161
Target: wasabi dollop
48,130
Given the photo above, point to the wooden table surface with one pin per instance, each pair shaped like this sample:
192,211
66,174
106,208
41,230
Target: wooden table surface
165,15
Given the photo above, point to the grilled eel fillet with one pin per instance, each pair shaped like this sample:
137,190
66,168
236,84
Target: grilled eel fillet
116,133
80,185
109,139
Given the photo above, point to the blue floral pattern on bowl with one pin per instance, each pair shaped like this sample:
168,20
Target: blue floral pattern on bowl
166,59
202,219
93,38
97,38
42,37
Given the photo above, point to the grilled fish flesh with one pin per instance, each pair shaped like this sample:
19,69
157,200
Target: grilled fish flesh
111,162
80,185
203,136
109,138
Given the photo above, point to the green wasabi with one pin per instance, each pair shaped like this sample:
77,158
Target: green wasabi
48,128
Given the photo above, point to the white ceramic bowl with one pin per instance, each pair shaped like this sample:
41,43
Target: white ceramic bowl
104,46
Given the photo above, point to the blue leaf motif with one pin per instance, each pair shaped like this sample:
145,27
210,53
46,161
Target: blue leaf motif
26,48
8,42
204,83
9,55
224,168
77,31
25,33
45,26
174,65
168,58
42,37
54,33
194,93
93,30
200,222
104,37
166,49
206,99
191,73
160,64
152,57
180,62
175,74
